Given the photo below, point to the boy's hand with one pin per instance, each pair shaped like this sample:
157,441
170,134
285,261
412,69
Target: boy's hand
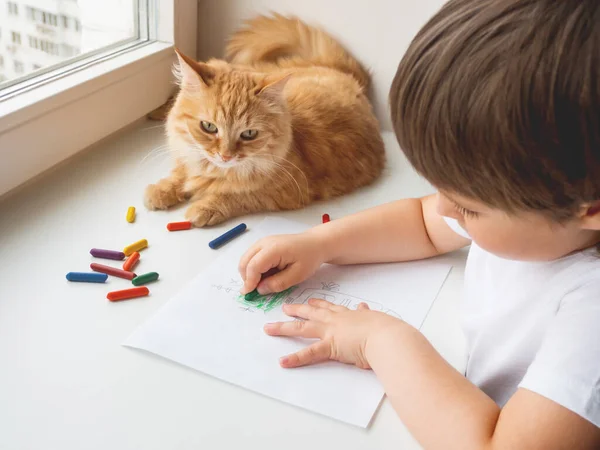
297,256
343,332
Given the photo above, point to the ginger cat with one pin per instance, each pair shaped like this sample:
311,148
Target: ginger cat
285,122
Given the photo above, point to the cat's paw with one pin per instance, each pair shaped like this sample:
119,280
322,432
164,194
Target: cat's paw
203,215
158,196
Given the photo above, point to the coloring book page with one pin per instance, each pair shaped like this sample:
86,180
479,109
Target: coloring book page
209,326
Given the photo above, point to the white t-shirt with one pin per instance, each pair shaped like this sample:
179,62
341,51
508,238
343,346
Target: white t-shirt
534,325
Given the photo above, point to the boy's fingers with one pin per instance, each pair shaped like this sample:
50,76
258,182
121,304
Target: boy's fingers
295,328
245,259
280,281
320,303
318,352
259,264
307,312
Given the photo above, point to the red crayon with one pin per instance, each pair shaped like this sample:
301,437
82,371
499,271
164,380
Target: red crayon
178,226
112,271
126,294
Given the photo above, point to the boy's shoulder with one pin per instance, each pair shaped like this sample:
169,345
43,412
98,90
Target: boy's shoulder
574,272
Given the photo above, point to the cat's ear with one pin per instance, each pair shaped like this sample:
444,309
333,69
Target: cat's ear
193,74
272,89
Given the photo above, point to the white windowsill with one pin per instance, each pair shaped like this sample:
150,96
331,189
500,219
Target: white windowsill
36,101
43,126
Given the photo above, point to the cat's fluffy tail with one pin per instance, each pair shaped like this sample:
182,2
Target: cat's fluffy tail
275,39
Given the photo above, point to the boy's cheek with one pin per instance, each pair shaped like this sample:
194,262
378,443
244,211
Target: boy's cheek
446,209
493,240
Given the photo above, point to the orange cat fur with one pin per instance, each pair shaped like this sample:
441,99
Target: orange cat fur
285,122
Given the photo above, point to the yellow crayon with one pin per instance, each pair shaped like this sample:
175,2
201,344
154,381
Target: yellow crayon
130,214
135,247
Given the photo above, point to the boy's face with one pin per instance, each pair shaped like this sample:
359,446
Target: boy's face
525,236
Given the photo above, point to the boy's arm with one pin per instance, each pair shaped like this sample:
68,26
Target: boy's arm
400,231
443,410
404,230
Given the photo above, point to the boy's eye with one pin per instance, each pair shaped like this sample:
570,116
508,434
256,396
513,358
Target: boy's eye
465,212
208,127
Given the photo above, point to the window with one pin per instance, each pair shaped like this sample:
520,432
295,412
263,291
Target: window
107,25
16,38
102,55
13,9
49,18
49,47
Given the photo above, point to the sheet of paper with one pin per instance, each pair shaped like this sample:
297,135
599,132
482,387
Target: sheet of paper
209,327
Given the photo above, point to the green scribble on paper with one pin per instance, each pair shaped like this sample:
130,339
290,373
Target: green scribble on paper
266,302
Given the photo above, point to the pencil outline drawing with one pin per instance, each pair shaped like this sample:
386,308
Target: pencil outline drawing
329,291
340,298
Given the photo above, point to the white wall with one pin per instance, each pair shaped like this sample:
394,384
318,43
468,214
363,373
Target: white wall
376,31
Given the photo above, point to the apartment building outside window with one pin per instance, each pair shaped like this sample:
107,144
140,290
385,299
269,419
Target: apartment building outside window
16,38
13,8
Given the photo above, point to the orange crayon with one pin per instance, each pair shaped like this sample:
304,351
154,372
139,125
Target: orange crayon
131,261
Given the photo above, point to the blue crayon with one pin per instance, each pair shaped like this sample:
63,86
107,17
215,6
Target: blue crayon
226,237
86,277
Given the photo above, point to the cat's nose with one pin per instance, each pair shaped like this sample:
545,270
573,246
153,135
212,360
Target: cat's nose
226,158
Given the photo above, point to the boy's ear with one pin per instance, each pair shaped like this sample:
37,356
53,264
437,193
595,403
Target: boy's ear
590,216
193,73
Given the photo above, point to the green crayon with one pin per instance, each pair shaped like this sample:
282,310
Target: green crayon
251,296
145,278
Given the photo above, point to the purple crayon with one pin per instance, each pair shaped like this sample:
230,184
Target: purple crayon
107,254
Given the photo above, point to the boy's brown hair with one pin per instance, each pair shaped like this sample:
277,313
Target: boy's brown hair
499,101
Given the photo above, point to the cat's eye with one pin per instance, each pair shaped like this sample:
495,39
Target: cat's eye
208,127
249,135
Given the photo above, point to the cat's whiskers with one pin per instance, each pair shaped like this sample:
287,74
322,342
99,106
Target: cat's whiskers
162,125
286,160
193,145
155,150
154,154
270,174
246,168
284,171
289,162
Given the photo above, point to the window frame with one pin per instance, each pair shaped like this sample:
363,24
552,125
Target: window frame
55,119
142,33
